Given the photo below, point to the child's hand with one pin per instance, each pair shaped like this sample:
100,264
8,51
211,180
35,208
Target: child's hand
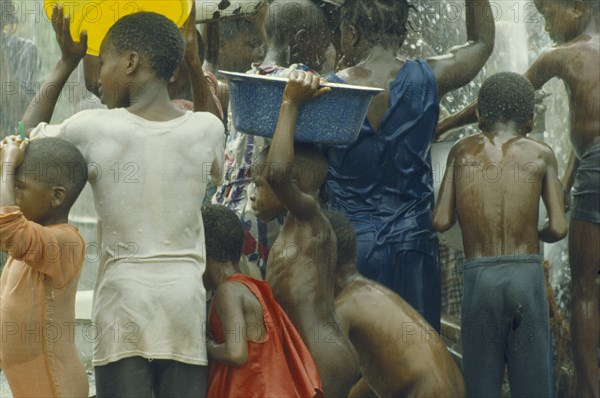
71,51
302,87
12,150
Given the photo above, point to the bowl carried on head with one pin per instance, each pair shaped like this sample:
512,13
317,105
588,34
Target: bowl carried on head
334,118
97,16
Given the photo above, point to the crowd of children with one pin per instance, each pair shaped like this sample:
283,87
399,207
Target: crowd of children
351,301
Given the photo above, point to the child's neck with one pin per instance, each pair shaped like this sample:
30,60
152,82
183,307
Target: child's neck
375,69
345,275
150,100
54,219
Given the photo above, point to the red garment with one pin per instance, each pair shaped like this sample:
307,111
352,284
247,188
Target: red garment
278,366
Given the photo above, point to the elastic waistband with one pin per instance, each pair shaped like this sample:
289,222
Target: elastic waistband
506,259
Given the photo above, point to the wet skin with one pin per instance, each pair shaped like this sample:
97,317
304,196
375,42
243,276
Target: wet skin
575,27
301,262
494,182
400,354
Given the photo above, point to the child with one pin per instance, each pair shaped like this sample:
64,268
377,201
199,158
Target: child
383,182
150,164
296,32
400,354
270,359
575,26
301,262
40,181
493,181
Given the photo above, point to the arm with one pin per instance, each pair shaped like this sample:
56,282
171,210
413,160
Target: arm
543,69
12,152
40,109
212,39
568,178
204,98
57,252
443,214
279,169
556,227
462,63
229,306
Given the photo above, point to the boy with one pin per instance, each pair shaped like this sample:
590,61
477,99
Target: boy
575,26
144,153
301,262
389,198
493,181
400,354
40,181
264,356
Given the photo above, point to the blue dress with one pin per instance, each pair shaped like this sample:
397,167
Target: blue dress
383,183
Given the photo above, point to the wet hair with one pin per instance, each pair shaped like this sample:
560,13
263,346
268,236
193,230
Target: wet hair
152,36
506,96
309,167
223,233
231,28
302,27
54,161
381,21
346,237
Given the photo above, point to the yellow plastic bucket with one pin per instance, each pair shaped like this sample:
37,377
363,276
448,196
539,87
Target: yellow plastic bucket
97,16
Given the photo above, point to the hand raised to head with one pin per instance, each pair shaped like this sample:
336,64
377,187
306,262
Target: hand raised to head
12,150
302,87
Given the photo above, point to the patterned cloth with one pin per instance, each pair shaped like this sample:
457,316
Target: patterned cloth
452,280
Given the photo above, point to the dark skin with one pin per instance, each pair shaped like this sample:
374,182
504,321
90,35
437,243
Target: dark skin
301,262
400,354
189,82
236,307
377,66
574,59
493,182
40,202
295,34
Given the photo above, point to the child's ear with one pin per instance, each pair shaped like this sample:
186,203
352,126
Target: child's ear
59,194
480,120
356,35
133,60
526,127
579,8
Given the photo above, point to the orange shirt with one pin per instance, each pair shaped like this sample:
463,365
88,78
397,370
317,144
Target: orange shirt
37,307
278,366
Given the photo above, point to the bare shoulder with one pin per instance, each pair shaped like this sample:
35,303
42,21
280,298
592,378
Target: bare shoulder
466,146
537,149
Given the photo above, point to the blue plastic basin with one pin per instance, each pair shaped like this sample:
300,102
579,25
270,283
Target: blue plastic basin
334,118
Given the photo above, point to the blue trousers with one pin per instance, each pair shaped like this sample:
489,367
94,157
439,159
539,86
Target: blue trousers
505,323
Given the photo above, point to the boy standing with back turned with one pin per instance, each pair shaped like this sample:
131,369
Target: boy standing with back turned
575,27
493,181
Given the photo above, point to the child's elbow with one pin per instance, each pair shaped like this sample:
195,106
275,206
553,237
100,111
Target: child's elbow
442,223
560,229
238,359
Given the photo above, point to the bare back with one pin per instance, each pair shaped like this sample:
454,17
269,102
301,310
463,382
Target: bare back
400,354
576,64
498,184
300,270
